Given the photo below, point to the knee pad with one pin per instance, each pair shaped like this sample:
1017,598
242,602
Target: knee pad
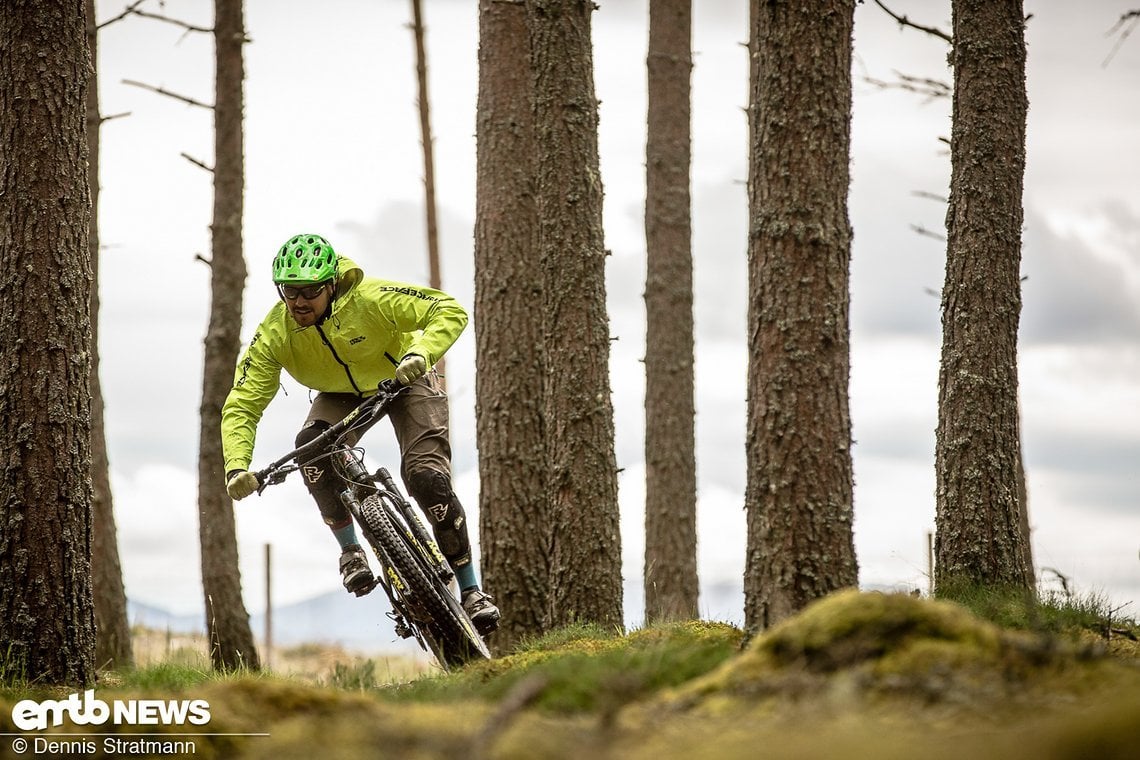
310,431
432,491
314,474
322,482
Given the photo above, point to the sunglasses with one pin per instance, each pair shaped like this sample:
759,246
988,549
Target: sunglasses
309,292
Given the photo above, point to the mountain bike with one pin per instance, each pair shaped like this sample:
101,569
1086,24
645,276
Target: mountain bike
412,571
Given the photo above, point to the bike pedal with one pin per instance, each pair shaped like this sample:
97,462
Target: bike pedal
366,588
487,627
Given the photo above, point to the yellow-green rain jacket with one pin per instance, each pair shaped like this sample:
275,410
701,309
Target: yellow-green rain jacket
374,323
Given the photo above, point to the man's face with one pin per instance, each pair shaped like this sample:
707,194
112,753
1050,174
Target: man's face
306,301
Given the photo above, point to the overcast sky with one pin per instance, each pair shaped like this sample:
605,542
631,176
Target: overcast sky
332,146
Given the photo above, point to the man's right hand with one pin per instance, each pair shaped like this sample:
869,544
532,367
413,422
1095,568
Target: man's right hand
240,484
412,368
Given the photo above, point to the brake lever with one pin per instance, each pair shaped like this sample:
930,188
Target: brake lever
265,480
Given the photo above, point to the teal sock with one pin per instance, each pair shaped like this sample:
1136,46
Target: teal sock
345,535
465,577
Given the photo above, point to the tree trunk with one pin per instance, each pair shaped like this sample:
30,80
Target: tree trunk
514,516
979,537
435,276
227,622
47,621
671,584
581,466
799,486
112,628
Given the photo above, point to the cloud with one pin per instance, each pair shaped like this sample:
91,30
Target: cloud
156,521
1074,293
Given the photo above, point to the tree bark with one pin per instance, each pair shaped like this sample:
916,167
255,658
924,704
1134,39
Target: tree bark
112,628
979,518
581,465
799,488
670,572
47,621
227,622
514,514
435,272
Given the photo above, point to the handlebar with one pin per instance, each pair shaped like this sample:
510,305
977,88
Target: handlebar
364,416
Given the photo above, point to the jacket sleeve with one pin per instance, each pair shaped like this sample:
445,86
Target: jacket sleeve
256,380
434,319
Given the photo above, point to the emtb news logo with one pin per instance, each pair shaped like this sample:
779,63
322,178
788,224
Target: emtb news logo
30,715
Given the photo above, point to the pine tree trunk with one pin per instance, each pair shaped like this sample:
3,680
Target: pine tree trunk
671,584
979,537
227,622
112,628
581,466
799,490
435,270
47,621
514,520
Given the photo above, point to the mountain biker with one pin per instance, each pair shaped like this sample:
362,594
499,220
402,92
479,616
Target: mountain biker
341,333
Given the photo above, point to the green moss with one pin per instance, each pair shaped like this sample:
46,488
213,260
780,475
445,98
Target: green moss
586,672
887,644
851,627
567,635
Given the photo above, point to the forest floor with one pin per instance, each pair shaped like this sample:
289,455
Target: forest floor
856,675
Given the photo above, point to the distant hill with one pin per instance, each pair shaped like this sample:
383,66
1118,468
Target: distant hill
354,623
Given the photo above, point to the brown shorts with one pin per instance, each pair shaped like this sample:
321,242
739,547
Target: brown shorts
418,415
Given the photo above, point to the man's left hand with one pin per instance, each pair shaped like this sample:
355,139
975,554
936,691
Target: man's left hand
241,484
412,368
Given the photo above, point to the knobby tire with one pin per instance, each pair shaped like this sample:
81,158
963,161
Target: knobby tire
439,615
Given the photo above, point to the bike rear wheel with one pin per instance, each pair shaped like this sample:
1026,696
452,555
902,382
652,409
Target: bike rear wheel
435,611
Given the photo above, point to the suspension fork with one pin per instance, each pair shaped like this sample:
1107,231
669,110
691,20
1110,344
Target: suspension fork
354,475
415,525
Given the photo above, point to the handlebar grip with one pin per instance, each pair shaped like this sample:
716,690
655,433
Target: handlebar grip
385,478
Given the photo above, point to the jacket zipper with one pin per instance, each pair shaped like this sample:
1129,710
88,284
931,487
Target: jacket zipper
340,361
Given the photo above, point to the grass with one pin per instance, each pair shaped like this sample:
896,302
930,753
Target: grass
354,676
1051,612
13,669
166,676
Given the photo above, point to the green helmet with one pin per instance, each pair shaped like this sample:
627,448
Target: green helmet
305,258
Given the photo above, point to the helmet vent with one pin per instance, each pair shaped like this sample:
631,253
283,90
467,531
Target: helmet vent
305,258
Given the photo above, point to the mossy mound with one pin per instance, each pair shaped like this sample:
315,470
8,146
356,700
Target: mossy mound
877,644
893,676
588,669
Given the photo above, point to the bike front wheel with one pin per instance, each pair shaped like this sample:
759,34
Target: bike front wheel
431,607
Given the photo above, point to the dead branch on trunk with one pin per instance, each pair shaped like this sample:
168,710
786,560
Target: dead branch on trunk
918,228
931,88
904,21
197,162
130,9
168,93
1123,27
930,196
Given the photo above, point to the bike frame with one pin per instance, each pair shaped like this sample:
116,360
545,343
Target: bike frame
363,492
